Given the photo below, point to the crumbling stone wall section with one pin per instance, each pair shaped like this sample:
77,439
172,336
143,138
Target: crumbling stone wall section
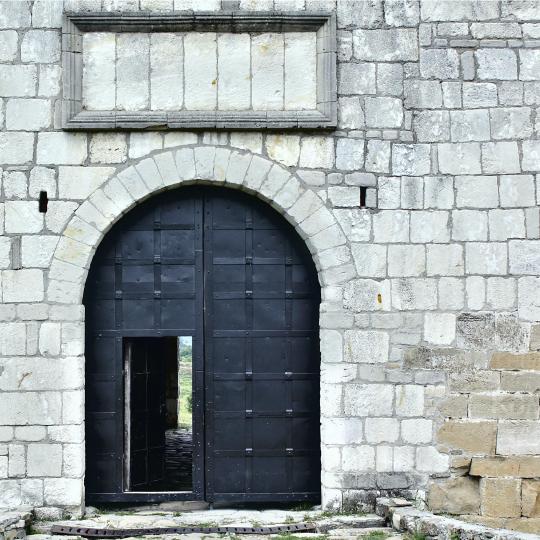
430,335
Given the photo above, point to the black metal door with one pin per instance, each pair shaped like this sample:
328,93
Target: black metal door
226,269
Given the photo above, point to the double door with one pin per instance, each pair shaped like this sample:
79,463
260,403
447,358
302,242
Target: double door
220,274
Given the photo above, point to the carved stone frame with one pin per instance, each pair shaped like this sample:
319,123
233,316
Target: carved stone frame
75,118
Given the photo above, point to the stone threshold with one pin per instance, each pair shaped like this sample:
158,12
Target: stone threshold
404,517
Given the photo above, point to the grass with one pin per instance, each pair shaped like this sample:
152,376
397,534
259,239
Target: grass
375,535
415,536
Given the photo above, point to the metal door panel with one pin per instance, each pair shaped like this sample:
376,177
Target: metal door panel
232,255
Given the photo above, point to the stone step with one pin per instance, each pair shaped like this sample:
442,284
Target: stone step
352,521
374,533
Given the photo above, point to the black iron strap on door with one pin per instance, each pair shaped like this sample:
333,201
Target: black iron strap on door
228,271
93,532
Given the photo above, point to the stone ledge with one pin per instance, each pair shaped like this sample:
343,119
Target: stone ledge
403,516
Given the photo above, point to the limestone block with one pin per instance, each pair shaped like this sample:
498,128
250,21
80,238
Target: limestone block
390,79
438,192
14,15
486,258
37,251
356,223
501,293
49,339
430,227
511,123
477,437
331,345
306,206
18,81
141,144
22,217
368,399
422,94
256,172
317,152
17,461
380,430
300,70
531,156
386,45
366,294
520,382
470,125
469,225
510,407
22,408
409,400
179,138
432,126
63,491
25,285
406,260
440,328
58,214
412,192
99,70
42,179
61,148
233,71
428,459
439,64
383,112
378,156
417,430
47,13
72,251
498,64
346,431
477,191
524,256
289,194
283,148
15,185
505,224
16,148
5,252
41,46
30,433
356,79
367,14
358,458
500,157
8,45
108,148
477,95
445,260
517,190
414,294
391,226
13,339
167,170
411,159
455,496
166,71
276,179
459,158
370,261
349,154
72,339
341,196
132,71
79,182
529,64
518,437
73,460
267,72
527,361
44,460
49,80
501,497
367,347
401,13
530,493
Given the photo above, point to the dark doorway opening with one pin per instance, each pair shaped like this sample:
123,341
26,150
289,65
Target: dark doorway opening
212,287
158,412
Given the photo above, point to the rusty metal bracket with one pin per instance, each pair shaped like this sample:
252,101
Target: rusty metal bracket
94,532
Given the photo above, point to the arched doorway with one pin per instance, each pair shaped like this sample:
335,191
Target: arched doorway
202,354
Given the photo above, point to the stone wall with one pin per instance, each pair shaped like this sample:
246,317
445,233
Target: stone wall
431,292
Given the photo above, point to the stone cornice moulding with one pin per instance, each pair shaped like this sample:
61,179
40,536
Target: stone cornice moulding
75,24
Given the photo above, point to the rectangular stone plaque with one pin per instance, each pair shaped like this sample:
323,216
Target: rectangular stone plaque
227,70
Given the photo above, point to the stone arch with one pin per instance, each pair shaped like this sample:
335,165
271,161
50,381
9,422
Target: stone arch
244,170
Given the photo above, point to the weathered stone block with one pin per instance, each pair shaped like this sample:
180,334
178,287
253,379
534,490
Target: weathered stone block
16,148
411,159
529,64
477,437
368,399
530,493
501,497
498,64
518,437
386,45
455,496
356,79
40,46
439,64
459,158
366,347
383,112
511,407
